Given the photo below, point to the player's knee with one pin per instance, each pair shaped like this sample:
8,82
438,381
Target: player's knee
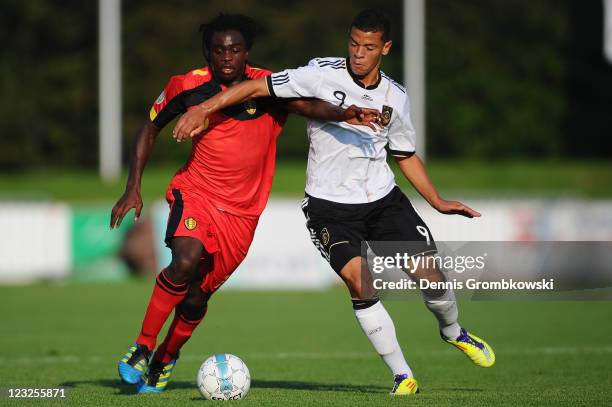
354,286
351,275
182,268
193,310
194,305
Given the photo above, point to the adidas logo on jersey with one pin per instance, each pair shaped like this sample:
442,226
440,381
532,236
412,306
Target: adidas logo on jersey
366,97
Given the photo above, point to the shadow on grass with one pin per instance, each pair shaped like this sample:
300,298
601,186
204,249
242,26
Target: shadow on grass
120,387
295,385
129,389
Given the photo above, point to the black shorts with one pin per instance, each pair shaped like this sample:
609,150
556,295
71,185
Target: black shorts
337,229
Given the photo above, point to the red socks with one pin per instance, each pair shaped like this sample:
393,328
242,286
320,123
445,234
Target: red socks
180,331
166,295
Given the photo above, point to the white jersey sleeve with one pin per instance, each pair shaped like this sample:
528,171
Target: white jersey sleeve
304,81
401,132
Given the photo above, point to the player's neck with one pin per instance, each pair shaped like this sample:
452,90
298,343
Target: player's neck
230,83
369,80
372,78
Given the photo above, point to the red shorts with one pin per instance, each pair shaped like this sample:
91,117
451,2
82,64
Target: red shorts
225,237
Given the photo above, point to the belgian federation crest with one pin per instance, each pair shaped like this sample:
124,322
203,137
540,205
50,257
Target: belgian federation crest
190,223
250,106
385,118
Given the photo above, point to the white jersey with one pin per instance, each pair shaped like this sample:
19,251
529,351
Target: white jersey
348,163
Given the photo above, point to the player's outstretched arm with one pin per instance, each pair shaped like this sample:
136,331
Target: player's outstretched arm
192,122
413,169
324,111
140,152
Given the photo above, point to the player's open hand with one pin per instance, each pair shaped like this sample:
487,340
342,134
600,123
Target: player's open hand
190,124
455,208
362,116
130,199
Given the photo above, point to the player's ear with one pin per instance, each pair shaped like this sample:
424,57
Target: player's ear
387,47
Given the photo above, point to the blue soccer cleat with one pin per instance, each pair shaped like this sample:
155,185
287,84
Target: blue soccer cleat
134,363
156,378
474,348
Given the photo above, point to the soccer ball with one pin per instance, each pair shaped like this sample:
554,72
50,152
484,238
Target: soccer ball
224,377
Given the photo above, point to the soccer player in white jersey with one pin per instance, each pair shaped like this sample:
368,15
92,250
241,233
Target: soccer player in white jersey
351,195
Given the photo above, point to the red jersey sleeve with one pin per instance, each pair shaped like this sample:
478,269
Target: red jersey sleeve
170,103
277,108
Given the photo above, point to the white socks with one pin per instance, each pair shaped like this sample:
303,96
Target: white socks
445,310
378,327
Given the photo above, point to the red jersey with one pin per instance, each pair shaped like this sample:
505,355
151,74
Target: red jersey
232,160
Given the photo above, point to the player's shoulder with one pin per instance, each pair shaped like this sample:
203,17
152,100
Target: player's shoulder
191,79
194,78
397,93
394,86
255,71
328,63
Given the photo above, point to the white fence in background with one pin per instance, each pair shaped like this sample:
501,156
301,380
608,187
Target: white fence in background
282,256
36,238
35,242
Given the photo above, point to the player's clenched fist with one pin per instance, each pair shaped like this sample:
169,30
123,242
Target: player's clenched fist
362,116
192,123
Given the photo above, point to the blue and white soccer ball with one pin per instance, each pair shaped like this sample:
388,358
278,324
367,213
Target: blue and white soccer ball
224,377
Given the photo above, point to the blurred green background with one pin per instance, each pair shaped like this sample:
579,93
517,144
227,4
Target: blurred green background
511,81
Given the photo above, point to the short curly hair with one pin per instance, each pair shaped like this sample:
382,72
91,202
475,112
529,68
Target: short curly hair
226,22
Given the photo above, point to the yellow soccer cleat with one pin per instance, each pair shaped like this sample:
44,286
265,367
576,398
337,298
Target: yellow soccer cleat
404,386
474,348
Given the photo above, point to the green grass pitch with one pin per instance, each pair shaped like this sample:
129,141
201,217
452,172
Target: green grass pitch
499,179
305,348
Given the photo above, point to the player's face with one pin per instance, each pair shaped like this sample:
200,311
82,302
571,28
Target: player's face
228,55
366,50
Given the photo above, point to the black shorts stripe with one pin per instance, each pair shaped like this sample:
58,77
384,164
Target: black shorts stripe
176,214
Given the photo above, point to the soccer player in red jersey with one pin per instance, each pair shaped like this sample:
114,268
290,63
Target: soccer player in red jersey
216,198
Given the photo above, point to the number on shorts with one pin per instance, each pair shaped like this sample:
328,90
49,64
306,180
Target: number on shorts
423,231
